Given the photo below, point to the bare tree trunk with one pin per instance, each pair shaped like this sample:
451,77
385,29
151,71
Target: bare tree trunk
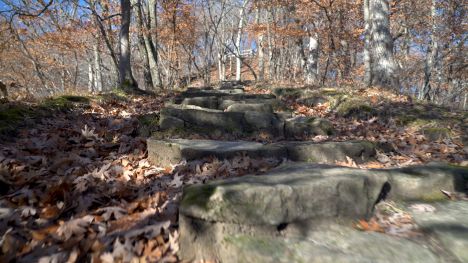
261,52
431,56
239,40
367,47
97,67
151,42
147,47
311,66
125,68
383,66
90,77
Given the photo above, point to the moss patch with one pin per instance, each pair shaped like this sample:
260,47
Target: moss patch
355,108
435,196
197,195
64,102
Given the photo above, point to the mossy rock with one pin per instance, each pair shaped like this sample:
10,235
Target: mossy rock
197,196
64,102
288,92
356,108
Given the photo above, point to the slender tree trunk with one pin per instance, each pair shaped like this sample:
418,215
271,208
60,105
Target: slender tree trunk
261,52
90,77
311,66
151,42
147,46
125,68
239,40
367,45
383,66
431,56
97,67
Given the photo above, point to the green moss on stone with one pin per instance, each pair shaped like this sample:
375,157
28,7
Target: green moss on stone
197,195
355,108
435,196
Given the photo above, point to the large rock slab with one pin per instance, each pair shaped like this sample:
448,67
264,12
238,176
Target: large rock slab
210,102
225,94
426,182
226,102
290,193
283,210
448,223
206,118
242,119
328,245
167,152
330,152
233,122
256,107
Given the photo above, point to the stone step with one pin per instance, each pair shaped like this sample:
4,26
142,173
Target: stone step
222,103
167,152
283,212
235,94
448,222
241,123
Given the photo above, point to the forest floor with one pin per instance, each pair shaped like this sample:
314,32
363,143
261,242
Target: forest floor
76,185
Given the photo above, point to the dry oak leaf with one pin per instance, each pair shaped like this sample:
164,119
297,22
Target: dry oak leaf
177,181
112,212
75,227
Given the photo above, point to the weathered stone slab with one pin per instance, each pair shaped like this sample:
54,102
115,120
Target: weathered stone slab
225,94
224,103
282,212
167,152
290,193
426,182
210,102
449,224
330,152
256,107
206,118
330,244
307,126
232,122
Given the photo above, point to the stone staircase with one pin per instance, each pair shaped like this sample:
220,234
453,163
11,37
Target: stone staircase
300,211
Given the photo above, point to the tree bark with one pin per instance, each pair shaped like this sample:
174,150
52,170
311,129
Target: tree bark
367,47
311,67
431,56
125,68
383,66
239,40
97,67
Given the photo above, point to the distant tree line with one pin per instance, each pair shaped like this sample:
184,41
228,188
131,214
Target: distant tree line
416,48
